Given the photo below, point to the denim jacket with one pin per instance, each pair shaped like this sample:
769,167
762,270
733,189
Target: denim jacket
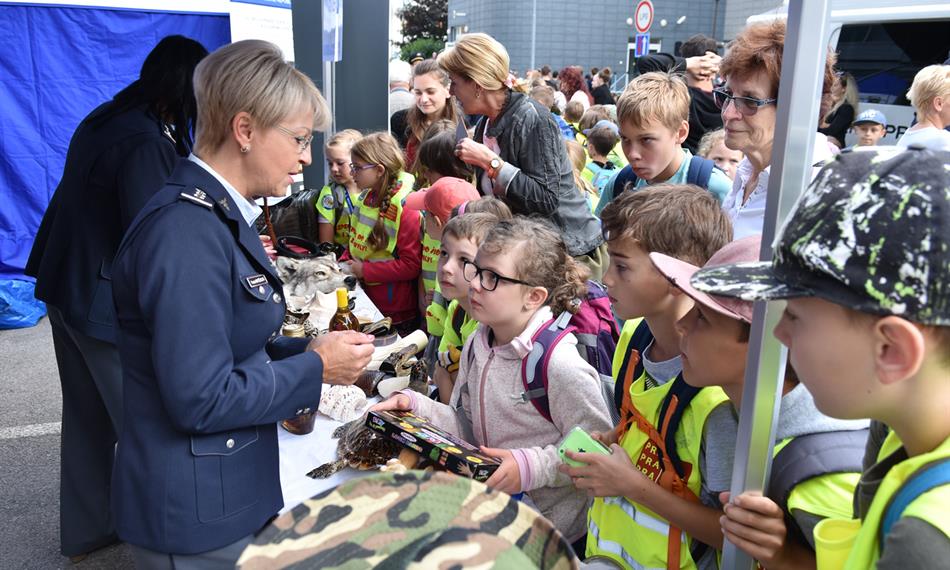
537,177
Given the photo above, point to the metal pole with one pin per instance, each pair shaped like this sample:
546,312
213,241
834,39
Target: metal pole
798,102
534,28
715,20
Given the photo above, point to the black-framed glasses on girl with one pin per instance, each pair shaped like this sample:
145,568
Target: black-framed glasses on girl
487,278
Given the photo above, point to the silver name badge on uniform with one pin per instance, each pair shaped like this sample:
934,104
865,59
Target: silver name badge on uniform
256,280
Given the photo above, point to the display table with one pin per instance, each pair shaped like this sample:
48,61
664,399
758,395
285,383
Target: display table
301,453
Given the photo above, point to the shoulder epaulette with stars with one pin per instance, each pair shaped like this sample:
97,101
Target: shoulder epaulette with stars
197,196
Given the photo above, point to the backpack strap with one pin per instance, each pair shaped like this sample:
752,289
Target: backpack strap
534,366
927,478
681,394
624,177
812,455
672,478
699,172
641,339
458,319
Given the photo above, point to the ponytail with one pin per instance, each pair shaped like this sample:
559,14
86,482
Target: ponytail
567,295
378,238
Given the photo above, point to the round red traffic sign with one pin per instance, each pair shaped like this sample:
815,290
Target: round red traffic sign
643,16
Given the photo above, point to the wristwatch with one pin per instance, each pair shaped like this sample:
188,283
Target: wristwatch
493,167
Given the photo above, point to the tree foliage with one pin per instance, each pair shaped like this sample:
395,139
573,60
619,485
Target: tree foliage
424,19
425,46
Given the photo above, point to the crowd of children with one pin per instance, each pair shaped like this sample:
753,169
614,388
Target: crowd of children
863,262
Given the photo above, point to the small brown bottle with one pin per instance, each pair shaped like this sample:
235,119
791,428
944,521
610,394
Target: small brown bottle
343,319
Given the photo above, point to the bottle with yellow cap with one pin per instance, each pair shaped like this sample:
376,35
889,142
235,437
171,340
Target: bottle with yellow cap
343,319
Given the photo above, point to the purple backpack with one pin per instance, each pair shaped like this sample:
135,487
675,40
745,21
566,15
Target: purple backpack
596,331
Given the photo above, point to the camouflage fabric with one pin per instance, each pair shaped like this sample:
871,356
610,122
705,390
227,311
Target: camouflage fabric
411,520
871,233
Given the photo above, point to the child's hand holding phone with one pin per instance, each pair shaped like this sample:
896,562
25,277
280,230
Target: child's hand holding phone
579,441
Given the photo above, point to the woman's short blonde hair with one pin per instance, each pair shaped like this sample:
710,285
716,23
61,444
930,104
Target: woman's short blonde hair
250,76
480,58
930,82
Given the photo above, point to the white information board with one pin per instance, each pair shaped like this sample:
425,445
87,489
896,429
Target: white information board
268,20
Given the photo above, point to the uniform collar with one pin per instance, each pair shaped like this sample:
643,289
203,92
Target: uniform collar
249,210
191,174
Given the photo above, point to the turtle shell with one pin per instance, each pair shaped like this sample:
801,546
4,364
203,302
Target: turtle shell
358,447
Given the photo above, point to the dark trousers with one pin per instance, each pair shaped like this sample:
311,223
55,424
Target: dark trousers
91,379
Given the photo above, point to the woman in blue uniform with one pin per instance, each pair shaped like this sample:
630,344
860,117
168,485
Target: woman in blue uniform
199,308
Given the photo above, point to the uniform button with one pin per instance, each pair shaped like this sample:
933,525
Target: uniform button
261,289
298,412
229,443
276,298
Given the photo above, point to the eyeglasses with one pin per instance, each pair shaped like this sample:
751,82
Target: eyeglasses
747,106
354,168
487,278
303,142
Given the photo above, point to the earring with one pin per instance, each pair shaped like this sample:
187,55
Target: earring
244,149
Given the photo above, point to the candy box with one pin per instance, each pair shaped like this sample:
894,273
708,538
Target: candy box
433,444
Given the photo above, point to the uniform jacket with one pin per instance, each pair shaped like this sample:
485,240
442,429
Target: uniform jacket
486,400
199,307
537,177
111,171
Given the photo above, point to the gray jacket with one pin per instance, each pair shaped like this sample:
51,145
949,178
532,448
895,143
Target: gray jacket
537,177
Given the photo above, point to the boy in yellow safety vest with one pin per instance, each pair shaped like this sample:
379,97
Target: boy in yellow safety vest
817,458
864,261
656,505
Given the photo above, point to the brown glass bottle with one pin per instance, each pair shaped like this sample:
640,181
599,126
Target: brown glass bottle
304,423
343,319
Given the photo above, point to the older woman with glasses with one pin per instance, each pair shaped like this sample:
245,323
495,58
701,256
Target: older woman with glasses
752,68
518,151
199,308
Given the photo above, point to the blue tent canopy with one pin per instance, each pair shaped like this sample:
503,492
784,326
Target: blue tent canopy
56,65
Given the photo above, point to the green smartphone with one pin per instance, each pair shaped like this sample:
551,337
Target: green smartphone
579,441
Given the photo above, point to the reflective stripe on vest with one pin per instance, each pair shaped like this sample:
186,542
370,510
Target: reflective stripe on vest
435,315
430,261
930,506
615,549
641,533
361,225
642,518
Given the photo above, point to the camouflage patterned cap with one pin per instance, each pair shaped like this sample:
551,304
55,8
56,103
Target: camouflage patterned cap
871,233
410,520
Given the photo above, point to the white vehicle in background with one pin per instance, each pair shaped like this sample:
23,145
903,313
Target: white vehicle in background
883,44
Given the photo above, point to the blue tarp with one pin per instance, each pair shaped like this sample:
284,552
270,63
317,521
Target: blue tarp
56,65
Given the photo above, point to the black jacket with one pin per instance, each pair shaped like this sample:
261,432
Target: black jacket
704,116
111,171
538,171
602,95
839,122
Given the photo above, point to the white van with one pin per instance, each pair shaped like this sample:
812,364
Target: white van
883,44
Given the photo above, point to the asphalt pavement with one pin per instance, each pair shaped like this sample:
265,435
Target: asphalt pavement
30,411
